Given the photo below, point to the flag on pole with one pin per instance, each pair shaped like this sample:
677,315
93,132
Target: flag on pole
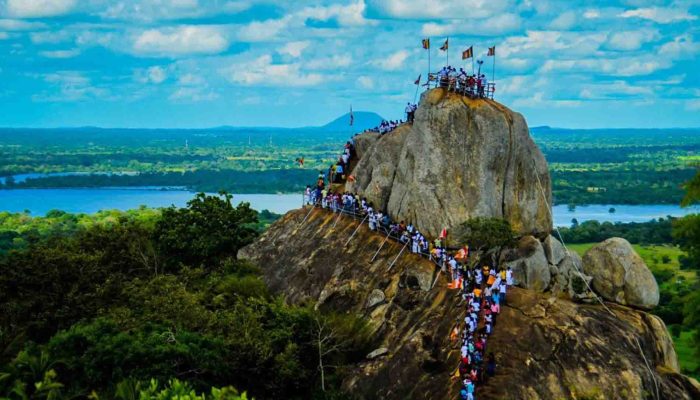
492,51
468,53
352,117
443,233
445,46
426,44
417,81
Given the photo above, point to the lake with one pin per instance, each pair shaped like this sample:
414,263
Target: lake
89,200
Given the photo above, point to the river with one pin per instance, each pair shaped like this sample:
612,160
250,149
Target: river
90,200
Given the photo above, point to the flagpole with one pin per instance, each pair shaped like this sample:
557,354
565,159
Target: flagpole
428,62
493,71
416,95
447,51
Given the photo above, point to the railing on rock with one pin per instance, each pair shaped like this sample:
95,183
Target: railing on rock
462,86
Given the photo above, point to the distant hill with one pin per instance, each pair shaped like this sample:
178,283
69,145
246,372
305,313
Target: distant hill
363,120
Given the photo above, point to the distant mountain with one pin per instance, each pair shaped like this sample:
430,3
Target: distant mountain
363,120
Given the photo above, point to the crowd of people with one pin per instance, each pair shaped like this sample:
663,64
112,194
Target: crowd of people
385,127
482,288
471,85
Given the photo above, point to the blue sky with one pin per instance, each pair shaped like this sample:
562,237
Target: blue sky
203,63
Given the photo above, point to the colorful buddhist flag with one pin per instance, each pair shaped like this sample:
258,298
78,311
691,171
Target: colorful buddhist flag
492,51
417,81
443,233
468,53
426,44
445,46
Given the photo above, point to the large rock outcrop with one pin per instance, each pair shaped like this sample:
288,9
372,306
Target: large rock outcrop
620,275
545,347
460,159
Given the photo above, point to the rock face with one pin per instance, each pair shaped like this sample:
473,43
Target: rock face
545,347
460,159
530,269
620,275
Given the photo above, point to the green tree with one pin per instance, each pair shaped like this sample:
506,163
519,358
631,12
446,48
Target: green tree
485,233
207,231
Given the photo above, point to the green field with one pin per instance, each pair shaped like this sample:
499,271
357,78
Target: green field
687,357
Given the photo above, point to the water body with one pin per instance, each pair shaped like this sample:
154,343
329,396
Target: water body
623,213
90,200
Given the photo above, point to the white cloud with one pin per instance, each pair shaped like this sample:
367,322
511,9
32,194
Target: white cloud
346,15
499,24
631,40
193,94
365,82
626,66
614,90
260,31
49,36
394,61
563,44
190,79
39,8
692,105
430,9
157,74
681,46
332,62
564,21
294,49
60,53
591,14
262,72
538,100
182,40
4,35
70,86
662,15
19,25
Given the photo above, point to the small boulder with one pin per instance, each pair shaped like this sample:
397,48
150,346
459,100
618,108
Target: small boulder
375,297
419,276
554,250
377,353
620,275
531,270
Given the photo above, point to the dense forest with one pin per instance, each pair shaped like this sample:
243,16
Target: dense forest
634,166
152,304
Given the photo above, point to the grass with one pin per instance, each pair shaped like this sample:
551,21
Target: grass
687,358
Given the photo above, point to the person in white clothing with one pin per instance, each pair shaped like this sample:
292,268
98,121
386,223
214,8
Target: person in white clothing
509,277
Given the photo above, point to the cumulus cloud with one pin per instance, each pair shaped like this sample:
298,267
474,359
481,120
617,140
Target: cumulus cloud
499,24
39,8
19,25
333,62
564,21
681,46
365,82
69,86
538,43
631,40
263,72
260,31
662,15
625,66
60,53
193,94
430,9
181,40
394,61
294,49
